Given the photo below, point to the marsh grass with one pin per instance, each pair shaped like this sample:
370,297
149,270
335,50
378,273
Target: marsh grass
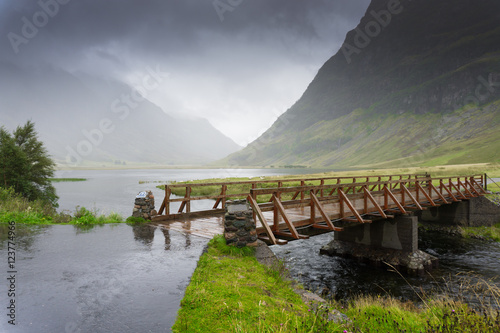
14,207
85,217
134,220
59,180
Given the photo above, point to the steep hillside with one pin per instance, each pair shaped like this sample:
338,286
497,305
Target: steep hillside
93,121
415,80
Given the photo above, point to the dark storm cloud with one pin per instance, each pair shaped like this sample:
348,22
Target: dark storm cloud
167,26
212,43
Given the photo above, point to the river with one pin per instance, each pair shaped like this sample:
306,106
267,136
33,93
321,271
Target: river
124,278
461,262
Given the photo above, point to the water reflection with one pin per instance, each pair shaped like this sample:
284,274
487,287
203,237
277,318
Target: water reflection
144,233
166,234
24,235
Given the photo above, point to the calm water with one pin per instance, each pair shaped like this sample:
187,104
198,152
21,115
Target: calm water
115,190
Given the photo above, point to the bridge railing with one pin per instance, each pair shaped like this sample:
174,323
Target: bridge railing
357,202
186,193
328,190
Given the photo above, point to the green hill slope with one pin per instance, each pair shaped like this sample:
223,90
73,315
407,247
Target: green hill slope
417,82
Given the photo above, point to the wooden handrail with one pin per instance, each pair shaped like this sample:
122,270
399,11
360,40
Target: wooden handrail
455,184
410,176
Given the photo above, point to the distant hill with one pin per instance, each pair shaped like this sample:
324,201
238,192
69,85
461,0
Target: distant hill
415,83
92,121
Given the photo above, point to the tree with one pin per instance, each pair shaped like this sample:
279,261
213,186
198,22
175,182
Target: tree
25,164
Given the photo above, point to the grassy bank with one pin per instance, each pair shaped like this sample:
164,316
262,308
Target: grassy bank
14,207
487,233
232,292
61,180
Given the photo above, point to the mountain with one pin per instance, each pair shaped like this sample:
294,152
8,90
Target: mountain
415,83
85,120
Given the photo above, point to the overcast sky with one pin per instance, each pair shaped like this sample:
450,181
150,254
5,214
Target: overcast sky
238,63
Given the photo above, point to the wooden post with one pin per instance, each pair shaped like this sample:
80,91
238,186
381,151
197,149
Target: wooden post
386,200
188,196
275,213
365,198
302,183
254,198
313,208
403,193
224,191
341,202
168,192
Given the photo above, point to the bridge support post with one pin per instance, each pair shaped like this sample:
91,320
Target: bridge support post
239,225
474,212
392,242
400,233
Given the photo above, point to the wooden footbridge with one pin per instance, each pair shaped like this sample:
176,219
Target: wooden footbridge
284,207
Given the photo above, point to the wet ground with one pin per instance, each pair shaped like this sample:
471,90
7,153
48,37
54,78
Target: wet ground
114,278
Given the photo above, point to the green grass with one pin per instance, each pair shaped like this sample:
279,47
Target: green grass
231,292
489,233
14,207
59,180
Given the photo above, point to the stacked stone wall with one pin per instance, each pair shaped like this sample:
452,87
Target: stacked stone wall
144,205
239,225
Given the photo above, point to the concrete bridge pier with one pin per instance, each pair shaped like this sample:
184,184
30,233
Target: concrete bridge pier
389,242
468,213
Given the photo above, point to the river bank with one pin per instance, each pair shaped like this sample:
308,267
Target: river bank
231,291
